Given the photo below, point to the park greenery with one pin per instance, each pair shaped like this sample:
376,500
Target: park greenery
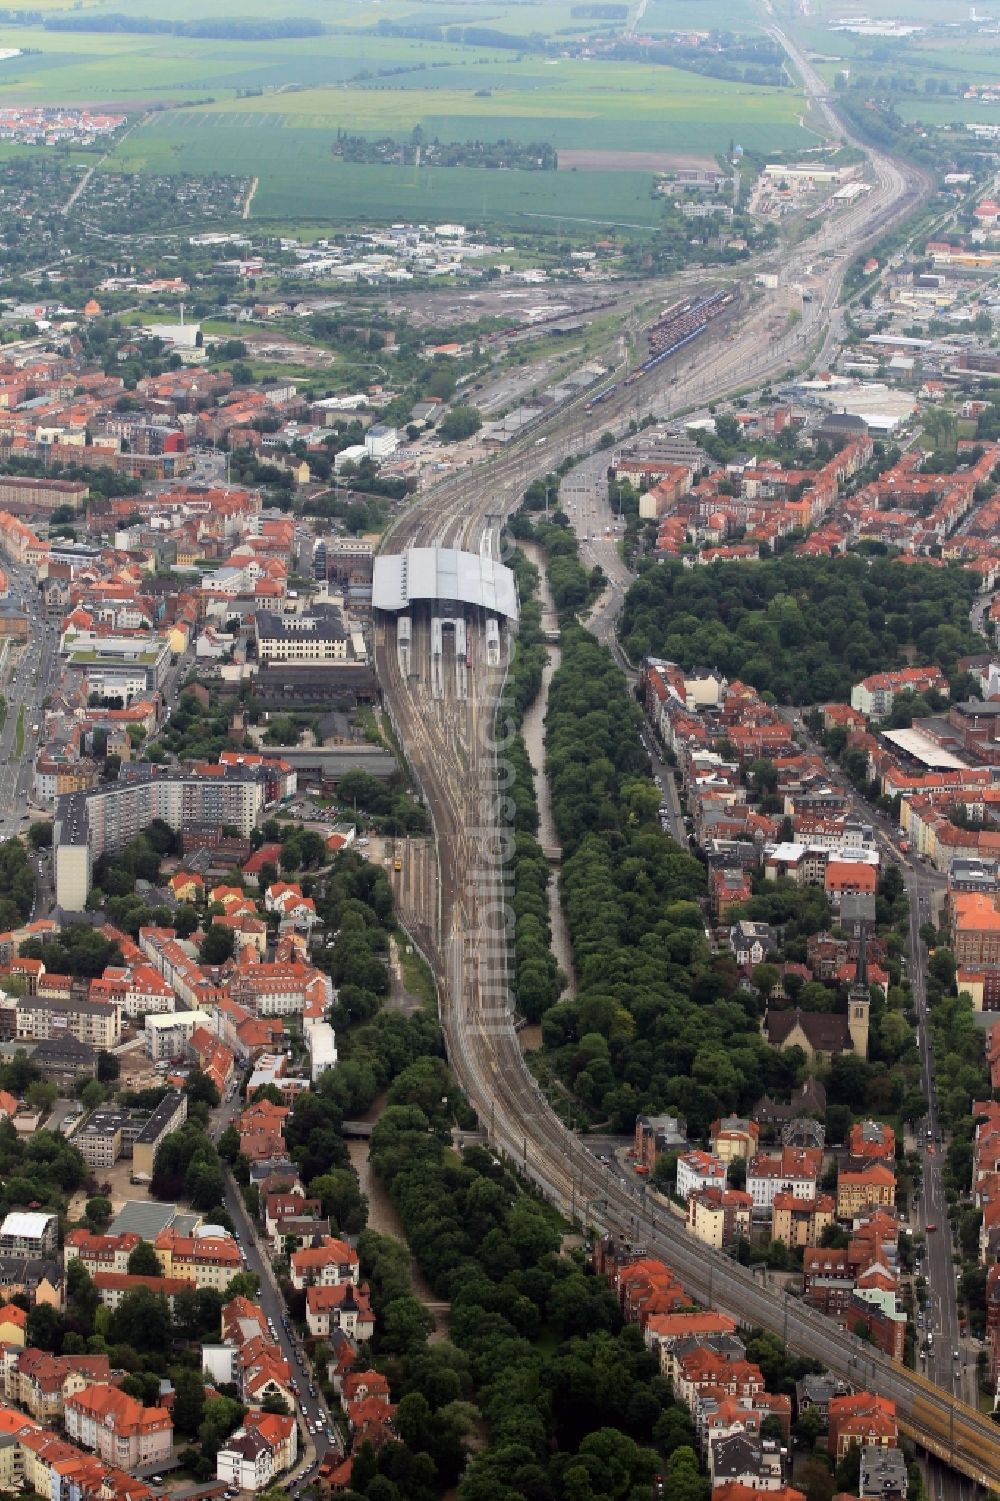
803,629
539,1389
17,884
537,981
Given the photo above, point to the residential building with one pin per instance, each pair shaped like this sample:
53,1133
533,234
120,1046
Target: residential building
258,1452
119,1428
113,1286
39,1279
800,1222
734,1136
169,1115
975,925
40,1382
869,1142
656,1134
883,1474
747,1461
100,1253
31,1233
167,1035
13,1325
43,1018
205,1260
858,1190
342,1306
719,1216
874,696
327,1264
864,1420
697,1170
87,824
793,1170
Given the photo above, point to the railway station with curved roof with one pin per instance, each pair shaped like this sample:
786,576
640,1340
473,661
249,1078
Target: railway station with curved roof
443,575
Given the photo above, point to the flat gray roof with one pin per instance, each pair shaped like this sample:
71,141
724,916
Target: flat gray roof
146,1218
925,750
443,574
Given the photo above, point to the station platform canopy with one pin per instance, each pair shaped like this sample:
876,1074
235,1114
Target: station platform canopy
430,575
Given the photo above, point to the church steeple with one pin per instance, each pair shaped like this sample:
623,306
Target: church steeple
859,1000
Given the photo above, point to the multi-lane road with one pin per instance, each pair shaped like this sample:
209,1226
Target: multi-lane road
456,747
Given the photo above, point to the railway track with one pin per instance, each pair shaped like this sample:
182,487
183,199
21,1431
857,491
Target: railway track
455,747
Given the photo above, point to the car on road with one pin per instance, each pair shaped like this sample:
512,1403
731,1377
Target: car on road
931,1229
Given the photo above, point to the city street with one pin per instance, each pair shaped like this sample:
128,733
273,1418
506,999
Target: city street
310,1409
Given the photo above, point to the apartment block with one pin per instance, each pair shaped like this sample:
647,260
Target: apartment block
119,1428
89,824
205,1260
862,1189
29,1233
42,1018
169,1115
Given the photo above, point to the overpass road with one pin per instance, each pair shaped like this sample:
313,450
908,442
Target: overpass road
454,732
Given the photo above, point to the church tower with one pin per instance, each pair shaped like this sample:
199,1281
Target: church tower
859,1003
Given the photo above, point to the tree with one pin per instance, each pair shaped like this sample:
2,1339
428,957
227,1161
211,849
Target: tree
218,945
684,1479
461,422
42,1095
200,1088
941,426
99,1212
229,1150
91,1095
204,1181
142,1320
189,1400
848,1471
82,1298
341,1198
108,1067
44,1327
765,977
221,1417
143,1261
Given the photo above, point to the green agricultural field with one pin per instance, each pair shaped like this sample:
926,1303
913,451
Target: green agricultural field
300,177
571,103
914,12
200,118
931,111
286,141
720,15
88,67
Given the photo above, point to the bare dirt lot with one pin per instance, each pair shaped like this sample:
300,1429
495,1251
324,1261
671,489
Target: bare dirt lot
631,161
